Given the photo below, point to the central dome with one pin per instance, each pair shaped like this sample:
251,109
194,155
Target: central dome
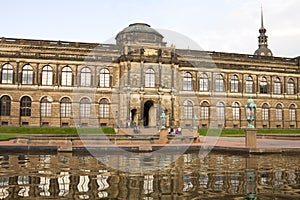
139,33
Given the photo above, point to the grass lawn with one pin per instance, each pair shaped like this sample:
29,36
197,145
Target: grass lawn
7,133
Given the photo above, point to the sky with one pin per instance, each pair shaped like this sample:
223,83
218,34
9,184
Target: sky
215,25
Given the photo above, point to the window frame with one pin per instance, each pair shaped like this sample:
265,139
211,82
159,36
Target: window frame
65,107
85,77
5,105
25,106
234,84
27,75
187,82
104,78
104,108
219,83
7,74
66,76
46,106
85,108
188,109
203,82
47,75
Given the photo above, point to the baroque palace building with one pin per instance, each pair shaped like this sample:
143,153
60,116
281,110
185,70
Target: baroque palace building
67,84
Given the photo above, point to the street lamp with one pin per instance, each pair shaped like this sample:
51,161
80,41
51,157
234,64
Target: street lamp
195,122
250,112
163,120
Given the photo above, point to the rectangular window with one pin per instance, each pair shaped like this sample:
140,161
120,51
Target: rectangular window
65,110
292,114
291,89
204,113
265,114
249,87
203,85
278,114
234,86
236,113
45,109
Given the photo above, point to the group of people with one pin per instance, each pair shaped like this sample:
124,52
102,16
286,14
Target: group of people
176,131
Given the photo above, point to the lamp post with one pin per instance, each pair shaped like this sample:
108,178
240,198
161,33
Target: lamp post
195,128
250,112
163,120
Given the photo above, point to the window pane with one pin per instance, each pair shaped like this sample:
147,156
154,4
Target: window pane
25,106
150,78
249,85
187,109
234,84
203,83
47,75
85,108
104,78
7,74
65,107
85,77
66,76
5,106
187,81
219,87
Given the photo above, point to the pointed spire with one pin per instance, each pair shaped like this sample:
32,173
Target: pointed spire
262,17
263,40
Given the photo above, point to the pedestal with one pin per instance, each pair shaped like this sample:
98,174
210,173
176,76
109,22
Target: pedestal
250,137
163,135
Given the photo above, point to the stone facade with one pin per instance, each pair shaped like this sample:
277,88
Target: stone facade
57,83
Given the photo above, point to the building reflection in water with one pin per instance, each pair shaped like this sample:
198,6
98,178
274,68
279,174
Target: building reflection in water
191,176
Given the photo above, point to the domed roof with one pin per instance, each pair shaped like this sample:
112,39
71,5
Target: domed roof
139,33
263,51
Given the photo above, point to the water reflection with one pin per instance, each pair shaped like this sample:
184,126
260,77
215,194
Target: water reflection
192,176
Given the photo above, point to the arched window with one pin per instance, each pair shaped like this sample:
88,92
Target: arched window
249,84
278,112
85,108
85,77
220,111
188,109
47,75
235,111
104,108
204,110
65,107
291,86
265,112
234,84
25,106
219,86
292,112
5,105
263,85
277,86
27,75
7,74
203,82
104,78
66,76
187,81
150,78
46,106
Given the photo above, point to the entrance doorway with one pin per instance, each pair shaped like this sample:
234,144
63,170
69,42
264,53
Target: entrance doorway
133,117
149,114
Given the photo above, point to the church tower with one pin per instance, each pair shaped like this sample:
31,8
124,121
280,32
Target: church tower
263,49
